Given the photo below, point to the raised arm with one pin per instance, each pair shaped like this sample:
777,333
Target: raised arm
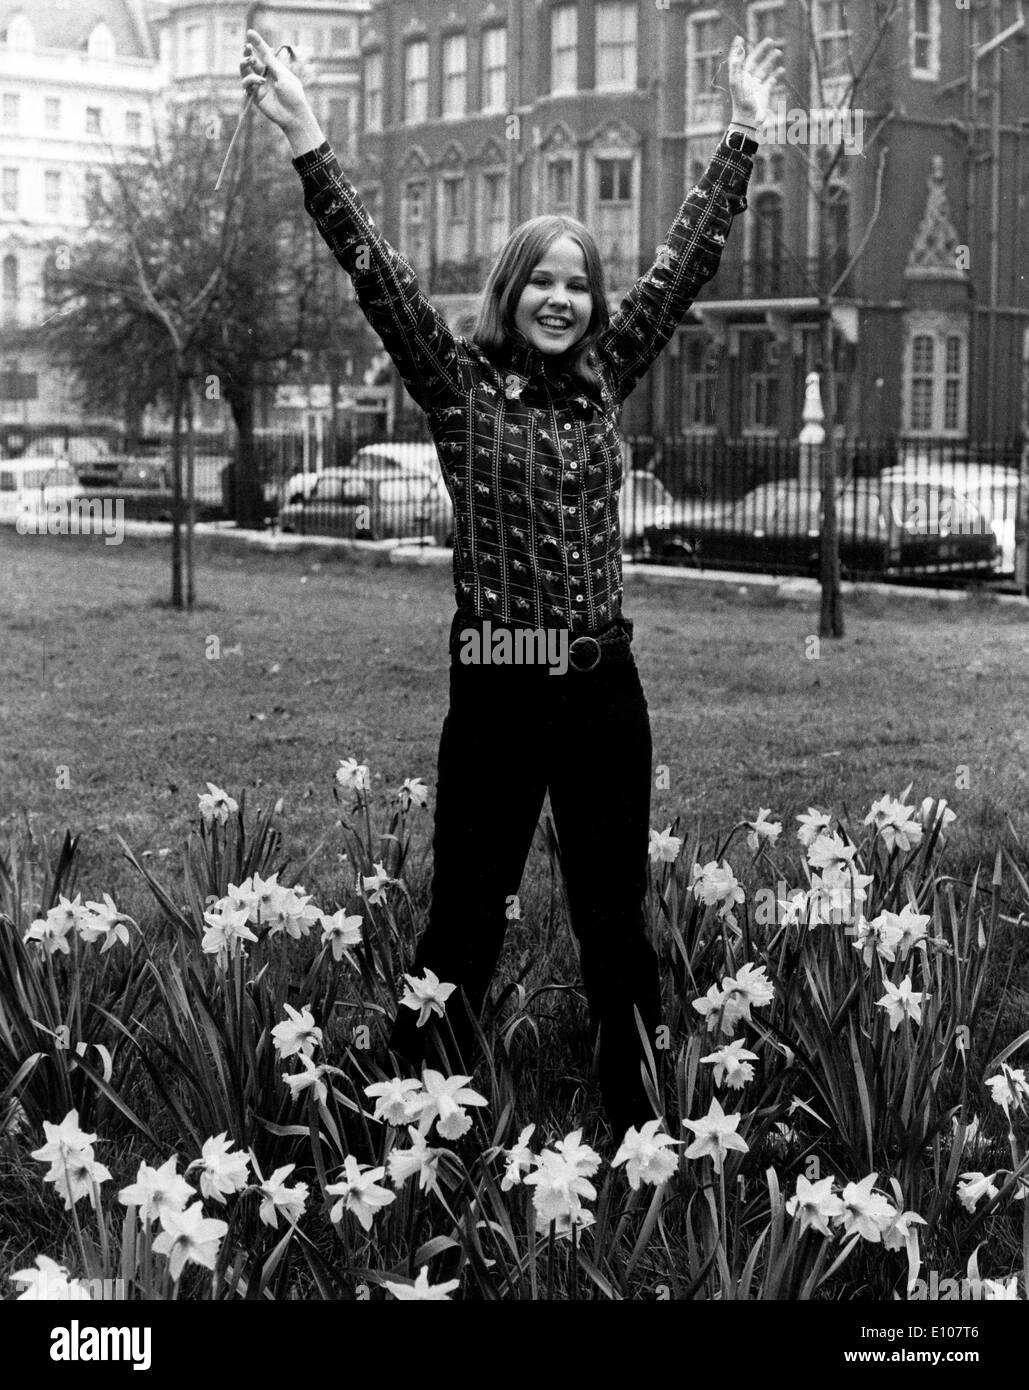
412,331
650,312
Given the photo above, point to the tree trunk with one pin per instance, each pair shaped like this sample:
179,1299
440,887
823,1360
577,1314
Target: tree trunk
249,492
831,617
190,493
176,547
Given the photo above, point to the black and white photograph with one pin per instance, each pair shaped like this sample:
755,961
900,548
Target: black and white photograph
514,669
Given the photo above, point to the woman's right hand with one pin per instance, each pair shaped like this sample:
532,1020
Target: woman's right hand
277,91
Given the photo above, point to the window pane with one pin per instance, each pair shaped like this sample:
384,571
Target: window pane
921,404
922,353
494,68
564,33
705,46
953,355
616,44
455,64
952,405
416,81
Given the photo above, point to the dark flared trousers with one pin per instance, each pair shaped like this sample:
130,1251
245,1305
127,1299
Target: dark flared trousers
512,733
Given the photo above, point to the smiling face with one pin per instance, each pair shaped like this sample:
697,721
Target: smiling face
556,304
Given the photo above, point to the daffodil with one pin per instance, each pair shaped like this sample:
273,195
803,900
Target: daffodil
865,1211
720,1009
751,988
732,1063
647,1155
104,920
276,1197
393,1098
559,1188
763,829
189,1236
74,1170
309,1077
419,1159
358,1192
901,1001
157,1190
815,1204
225,932
664,846
375,883
973,1187
813,824
944,815
715,1136
216,805
427,995
421,1288
830,851
352,775
879,937
892,820
1008,1088
442,1100
52,931
222,1172
520,1159
340,931
49,1282
715,886
297,1034
412,792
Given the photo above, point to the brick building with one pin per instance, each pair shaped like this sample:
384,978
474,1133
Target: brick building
476,116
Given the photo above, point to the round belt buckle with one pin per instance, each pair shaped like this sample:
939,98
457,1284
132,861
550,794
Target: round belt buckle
591,646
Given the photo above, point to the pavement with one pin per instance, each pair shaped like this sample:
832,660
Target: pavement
225,536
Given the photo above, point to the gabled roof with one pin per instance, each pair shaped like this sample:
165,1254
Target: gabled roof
68,24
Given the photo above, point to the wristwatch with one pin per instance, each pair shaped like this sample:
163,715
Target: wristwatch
739,140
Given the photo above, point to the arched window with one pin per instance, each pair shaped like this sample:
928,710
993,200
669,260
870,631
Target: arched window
100,44
20,34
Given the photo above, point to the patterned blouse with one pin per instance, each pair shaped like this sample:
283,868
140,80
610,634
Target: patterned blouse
533,468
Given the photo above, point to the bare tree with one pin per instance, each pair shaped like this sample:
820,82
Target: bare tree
822,169
146,278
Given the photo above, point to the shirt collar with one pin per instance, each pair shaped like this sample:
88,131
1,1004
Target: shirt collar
525,359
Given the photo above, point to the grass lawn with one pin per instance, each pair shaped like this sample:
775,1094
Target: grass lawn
327,660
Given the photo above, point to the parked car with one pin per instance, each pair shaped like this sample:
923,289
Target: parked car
779,524
646,502
986,496
372,504
75,448
31,486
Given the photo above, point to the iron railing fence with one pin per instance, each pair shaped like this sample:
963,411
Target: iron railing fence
916,509
944,510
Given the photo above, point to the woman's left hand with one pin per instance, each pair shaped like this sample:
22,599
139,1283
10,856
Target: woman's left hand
751,79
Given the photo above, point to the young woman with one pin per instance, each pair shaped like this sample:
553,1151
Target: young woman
524,414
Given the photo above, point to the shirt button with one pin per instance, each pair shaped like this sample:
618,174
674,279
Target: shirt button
575,554
568,427
578,598
573,465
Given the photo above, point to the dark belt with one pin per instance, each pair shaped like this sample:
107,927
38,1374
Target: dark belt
586,650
